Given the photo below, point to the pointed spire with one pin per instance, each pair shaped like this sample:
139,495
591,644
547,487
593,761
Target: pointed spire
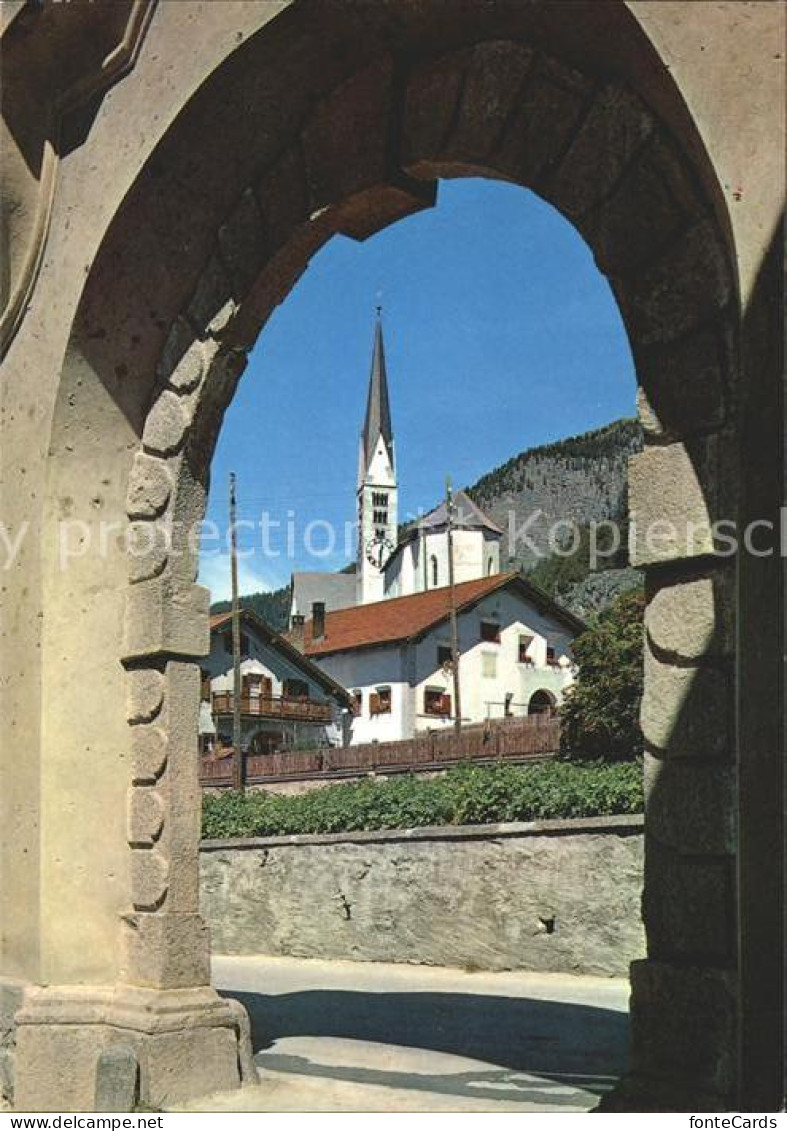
378,409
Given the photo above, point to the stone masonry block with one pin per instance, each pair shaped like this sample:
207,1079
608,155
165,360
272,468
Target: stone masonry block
146,813
163,619
493,82
688,906
681,619
690,618
117,1079
165,951
149,487
552,93
149,878
149,753
283,194
345,143
166,425
685,385
193,366
431,99
179,339
682,501
683,1025
145,694
212,304
690,284
654,201
691,807
148,549
242,244
617,125
687,712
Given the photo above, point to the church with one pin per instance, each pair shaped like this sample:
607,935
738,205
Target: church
383,631
390,565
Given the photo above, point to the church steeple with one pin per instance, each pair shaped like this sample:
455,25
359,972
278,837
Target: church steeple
378,410
377,486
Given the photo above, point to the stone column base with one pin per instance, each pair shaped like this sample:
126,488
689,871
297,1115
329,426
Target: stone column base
179,1044
683,1040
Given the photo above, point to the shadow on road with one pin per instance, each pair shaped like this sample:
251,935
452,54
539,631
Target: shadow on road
571,1043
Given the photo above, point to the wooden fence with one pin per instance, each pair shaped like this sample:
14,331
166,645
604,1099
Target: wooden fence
536,736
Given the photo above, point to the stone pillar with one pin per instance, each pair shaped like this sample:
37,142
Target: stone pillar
684,994
186,1039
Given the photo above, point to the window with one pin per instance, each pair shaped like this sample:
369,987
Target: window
251,684
489,665
445,654
381,516
357,696
524,645
436,702
295,689
490,566
551,657
380,498
435,575
490,632
380,701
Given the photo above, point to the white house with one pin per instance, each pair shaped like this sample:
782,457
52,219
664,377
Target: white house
394,656
287,701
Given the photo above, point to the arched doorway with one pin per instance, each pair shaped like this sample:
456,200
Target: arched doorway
541,703
347,124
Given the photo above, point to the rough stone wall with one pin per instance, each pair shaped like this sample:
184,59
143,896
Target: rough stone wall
551,896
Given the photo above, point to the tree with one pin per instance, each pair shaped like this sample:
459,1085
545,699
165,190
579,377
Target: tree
600,715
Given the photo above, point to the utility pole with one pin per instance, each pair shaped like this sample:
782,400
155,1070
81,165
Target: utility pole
449,514
238,777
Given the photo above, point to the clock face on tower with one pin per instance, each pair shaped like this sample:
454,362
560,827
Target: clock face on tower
377,550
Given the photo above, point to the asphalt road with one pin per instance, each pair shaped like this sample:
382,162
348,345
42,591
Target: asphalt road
344,1036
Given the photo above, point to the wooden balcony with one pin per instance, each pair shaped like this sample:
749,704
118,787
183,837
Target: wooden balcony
273,707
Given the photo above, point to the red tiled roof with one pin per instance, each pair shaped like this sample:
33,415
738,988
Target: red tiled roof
399,618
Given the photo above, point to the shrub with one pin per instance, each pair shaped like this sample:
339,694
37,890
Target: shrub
465,795
600,715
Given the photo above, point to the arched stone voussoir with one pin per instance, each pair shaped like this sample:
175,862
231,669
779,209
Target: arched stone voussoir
689,285
349,159
481,110
653,200
687,386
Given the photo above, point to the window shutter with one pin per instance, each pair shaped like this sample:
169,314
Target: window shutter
374,703
446,704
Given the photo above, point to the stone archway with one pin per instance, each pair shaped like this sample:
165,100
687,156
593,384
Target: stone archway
346,123
541,703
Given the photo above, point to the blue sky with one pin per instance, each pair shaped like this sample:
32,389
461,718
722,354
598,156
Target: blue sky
500,334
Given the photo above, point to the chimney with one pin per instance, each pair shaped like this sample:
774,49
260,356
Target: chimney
296,630
318,620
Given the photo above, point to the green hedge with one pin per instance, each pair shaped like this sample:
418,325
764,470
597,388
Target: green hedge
467,795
